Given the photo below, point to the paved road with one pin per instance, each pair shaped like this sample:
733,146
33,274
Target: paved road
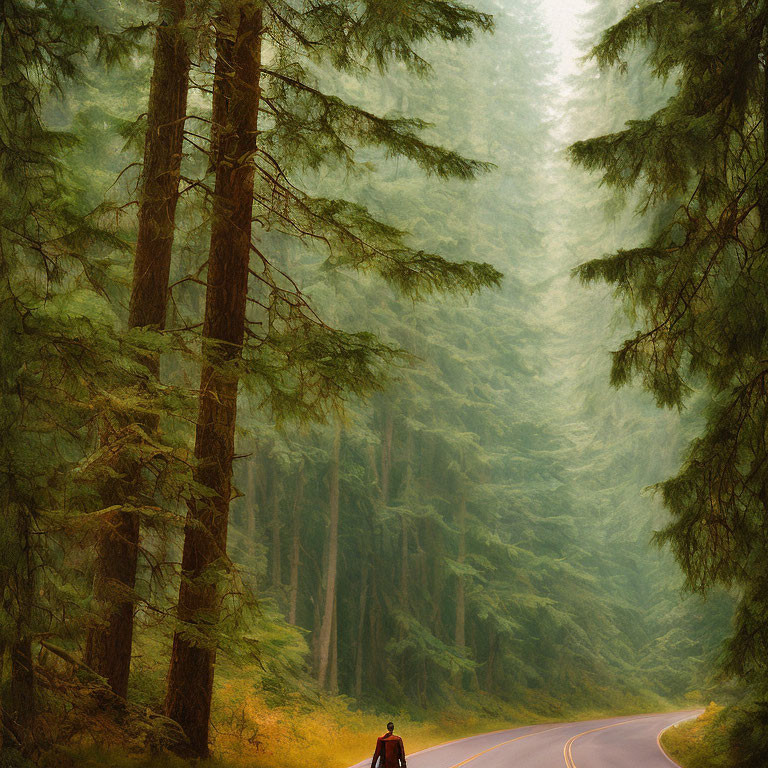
619,742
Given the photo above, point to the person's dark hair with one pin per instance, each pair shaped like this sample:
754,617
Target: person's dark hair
390,726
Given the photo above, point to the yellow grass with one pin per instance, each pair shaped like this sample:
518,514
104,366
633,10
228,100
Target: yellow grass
698,743
250,734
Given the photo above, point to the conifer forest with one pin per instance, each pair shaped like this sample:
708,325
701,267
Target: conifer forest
369,360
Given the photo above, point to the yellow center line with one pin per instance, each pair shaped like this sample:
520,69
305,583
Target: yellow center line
568,748
504,744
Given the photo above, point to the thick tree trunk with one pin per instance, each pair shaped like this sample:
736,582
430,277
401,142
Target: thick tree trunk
333,551
296,546
108,646
235,110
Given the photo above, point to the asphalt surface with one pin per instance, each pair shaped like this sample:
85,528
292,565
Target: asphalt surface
618,742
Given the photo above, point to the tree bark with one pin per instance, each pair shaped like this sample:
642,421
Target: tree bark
277,571
296,546
108,646
492,645
408,495
333,673
386,455
317,612
333,551
360,628
2,710
460,597
22,684
235,111
376,667
252,507
460,633
763,193
22,689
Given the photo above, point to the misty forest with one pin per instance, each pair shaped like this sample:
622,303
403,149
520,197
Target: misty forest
369,360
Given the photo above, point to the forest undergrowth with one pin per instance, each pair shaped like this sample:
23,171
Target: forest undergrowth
256,725
699,743
721,737
333,732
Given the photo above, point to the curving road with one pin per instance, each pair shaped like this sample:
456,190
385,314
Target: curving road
618,742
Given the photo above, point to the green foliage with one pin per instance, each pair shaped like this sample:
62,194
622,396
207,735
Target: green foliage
319,126
297,361
492,542
561,601
731,737
697,166
378,31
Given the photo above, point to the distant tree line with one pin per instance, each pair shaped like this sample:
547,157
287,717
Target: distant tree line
696,283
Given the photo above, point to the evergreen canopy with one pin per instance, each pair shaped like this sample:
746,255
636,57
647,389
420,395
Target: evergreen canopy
698,285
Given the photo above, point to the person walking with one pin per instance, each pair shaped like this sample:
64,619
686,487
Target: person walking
390,752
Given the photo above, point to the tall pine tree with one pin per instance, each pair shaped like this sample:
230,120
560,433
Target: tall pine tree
301,122
697,283
109,642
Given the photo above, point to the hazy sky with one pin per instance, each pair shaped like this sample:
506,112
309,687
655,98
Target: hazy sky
562,17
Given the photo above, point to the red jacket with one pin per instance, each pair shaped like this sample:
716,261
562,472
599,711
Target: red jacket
390,748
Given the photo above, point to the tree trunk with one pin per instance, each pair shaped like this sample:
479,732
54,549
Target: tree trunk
375,668
3,717
277,571
360,629
763,192
333,551
22,684
296,546
317,612
333,674
492,644
252,507
386,455
474,679
108,646
22,689
235,111
460,634
408,495
460,608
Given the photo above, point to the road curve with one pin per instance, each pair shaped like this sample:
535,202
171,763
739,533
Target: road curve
618,742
